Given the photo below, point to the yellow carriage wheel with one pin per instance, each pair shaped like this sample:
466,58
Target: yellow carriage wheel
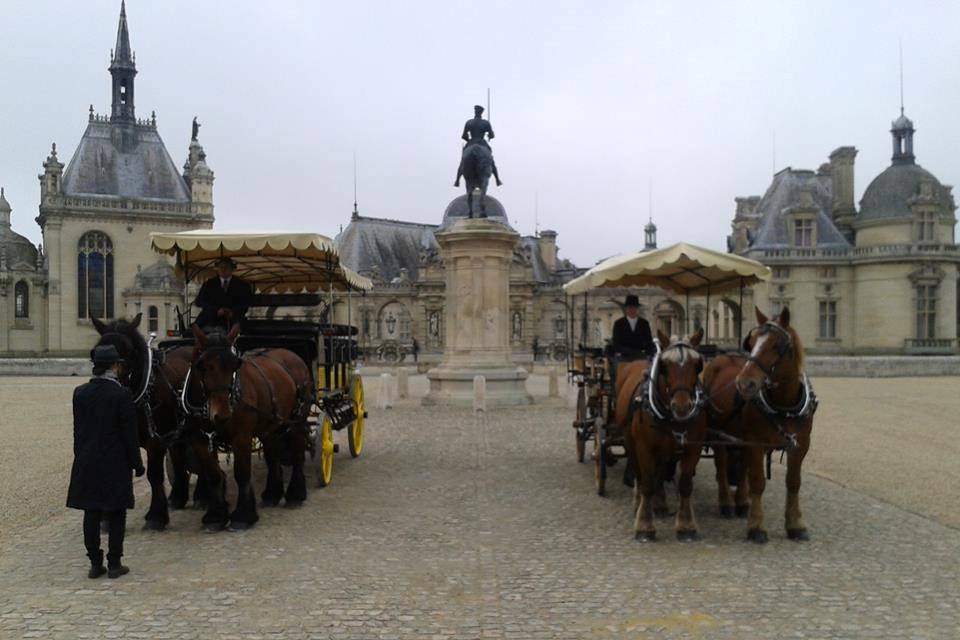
355,431
326,452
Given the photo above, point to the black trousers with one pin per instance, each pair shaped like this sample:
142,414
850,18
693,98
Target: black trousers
116,521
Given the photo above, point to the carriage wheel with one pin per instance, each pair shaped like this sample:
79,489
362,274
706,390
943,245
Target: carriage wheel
581,418
326,452
600,459
355,432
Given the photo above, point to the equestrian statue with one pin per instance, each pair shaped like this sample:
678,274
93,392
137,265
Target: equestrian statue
476,163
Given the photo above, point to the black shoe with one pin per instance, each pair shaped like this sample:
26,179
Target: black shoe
96,570
117,571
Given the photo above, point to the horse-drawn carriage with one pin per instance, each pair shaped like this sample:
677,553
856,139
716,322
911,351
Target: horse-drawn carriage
682,269
283,385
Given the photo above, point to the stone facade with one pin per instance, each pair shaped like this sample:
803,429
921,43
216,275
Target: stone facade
96,214
879,280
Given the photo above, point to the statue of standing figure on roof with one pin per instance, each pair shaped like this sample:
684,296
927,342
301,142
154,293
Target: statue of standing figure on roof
196,129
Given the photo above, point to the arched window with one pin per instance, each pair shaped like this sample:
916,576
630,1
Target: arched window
95,276
153,319
21,297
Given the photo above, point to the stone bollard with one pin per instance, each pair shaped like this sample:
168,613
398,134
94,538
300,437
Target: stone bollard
479,393
385,397
403,384
554,386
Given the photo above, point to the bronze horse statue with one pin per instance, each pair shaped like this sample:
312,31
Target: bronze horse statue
659,407
155,378
477,168
763,399
264,394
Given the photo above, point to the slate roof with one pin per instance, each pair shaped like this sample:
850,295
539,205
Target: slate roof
17,250
887,194
388,245
784,192
123,160
391,245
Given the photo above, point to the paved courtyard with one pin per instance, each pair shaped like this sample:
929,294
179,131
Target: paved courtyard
454,526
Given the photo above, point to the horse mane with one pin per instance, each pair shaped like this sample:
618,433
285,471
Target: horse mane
798,349
115,332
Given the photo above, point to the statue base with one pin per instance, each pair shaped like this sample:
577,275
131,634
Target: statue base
477,255
453,387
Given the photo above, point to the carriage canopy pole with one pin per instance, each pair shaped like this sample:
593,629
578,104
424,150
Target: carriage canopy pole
686,320
740,317
706,335
583,325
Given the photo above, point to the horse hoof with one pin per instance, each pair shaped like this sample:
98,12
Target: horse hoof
742,510
214,527
726,512
154,525
757,535
239,525
799,535
690,535
646,536
177,503
271,502
293,504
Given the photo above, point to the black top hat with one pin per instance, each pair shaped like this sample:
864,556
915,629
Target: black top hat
227,261
478,107
631,301
105,355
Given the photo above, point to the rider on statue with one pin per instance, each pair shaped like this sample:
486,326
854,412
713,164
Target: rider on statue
476,131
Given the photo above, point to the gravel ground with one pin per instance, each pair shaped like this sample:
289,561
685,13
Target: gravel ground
457,526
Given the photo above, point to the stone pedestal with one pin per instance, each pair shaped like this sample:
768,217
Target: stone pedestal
477,254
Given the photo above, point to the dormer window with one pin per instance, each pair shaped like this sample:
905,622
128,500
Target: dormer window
804,232
926,226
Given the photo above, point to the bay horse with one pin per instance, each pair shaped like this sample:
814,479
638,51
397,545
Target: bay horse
264,394
763,399
477,169
659,406
154,379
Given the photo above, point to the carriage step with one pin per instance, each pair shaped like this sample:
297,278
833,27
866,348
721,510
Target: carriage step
365,415
336,448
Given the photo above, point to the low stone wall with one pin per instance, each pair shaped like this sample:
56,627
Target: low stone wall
44,367
882,366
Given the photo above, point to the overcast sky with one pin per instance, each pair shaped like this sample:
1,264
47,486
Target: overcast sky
591,101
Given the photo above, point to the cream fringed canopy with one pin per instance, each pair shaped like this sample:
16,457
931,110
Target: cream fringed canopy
682,268
270,262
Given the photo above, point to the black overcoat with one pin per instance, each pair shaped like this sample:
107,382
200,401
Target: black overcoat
105,447
211,298
632,342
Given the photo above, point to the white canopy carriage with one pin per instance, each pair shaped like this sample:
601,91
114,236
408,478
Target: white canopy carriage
290,269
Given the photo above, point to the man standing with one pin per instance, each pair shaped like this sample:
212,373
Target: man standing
631,333
105,450
223,300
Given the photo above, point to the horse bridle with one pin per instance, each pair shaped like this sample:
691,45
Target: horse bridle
232,389
696,391
784,347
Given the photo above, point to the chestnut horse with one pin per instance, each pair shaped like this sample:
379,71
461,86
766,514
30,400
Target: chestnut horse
659,407
265,394
763,399
154,379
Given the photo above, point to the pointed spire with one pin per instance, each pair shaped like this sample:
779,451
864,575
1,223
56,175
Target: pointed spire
4,210
122,52
356,212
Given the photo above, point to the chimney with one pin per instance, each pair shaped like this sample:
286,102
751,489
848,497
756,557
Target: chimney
841,182
548,249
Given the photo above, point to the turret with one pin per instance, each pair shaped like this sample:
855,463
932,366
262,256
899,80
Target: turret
51,180
123,69
4,211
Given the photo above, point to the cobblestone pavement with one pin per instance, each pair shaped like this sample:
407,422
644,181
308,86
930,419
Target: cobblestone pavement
452,526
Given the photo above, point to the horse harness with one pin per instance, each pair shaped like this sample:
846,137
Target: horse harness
645,398
235,395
